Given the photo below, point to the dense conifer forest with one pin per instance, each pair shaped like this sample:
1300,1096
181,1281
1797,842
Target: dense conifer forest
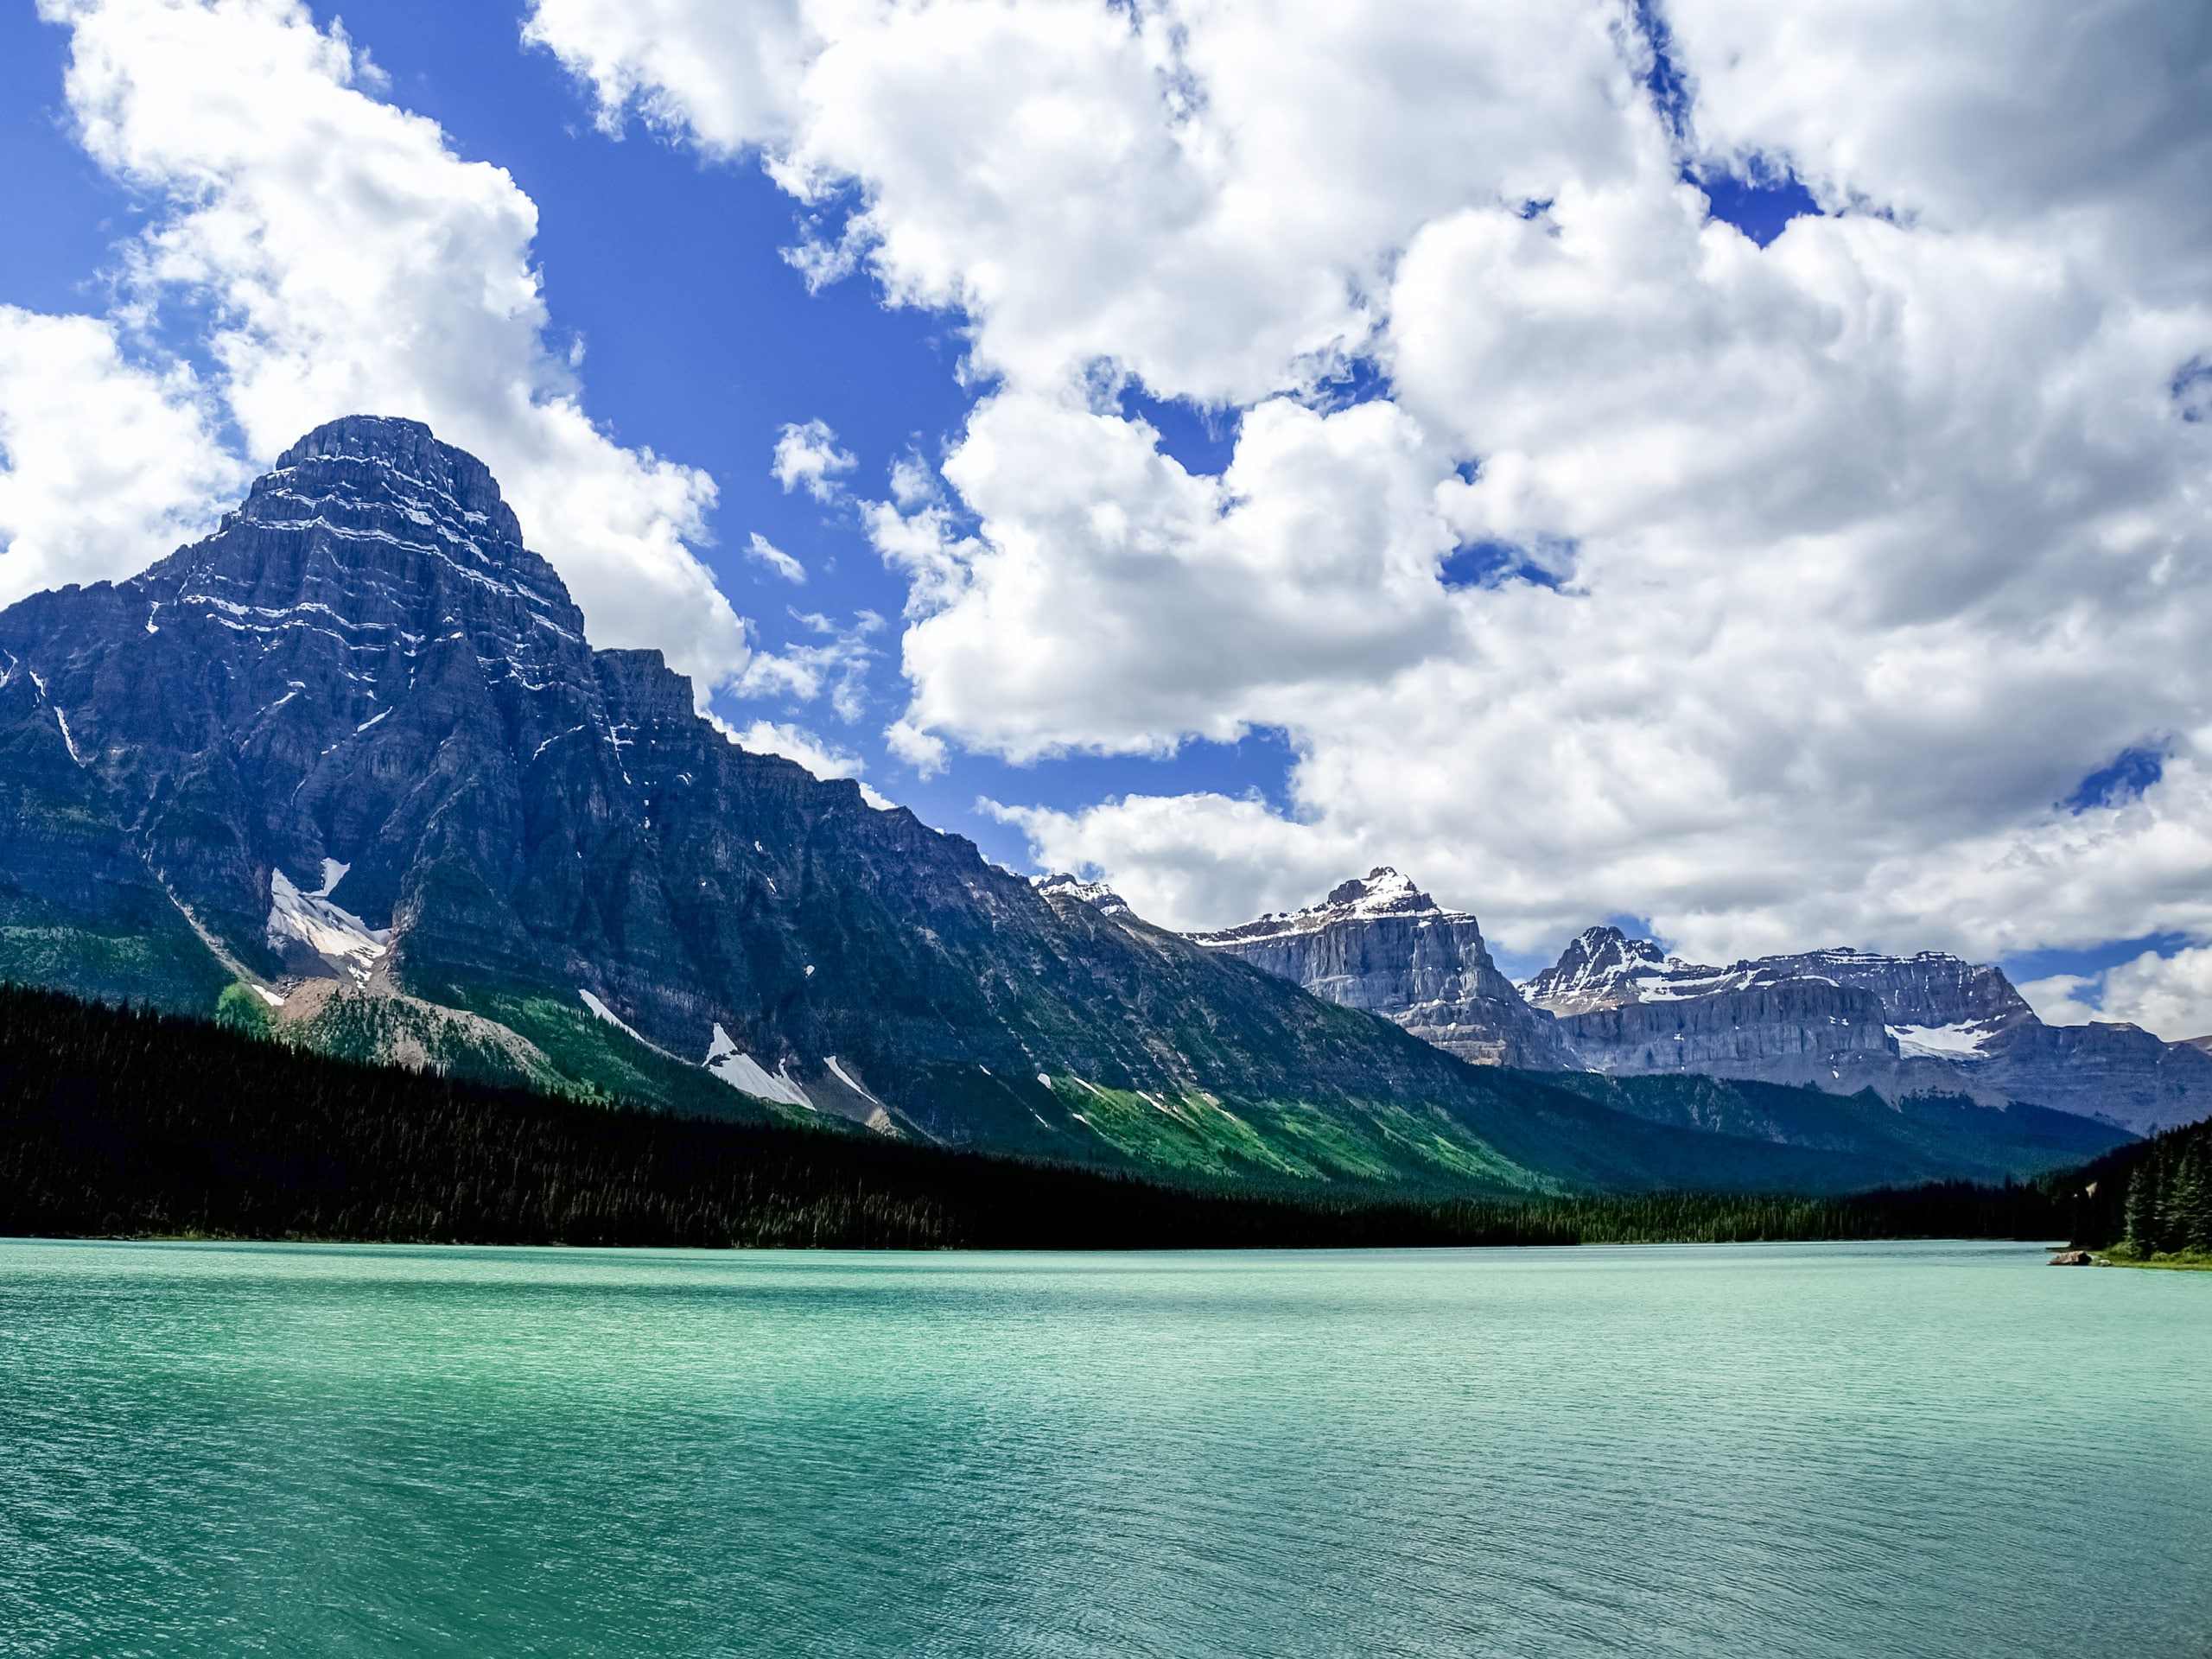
118,1122
2149,1203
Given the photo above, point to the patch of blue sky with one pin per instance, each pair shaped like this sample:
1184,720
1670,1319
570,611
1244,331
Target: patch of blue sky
63,215
1356,380
2026,966
1548,563
2130,773
1200,439
1259,763
1517,965
1669,88
1759,199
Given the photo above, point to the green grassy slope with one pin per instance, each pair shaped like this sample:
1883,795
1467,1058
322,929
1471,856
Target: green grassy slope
128,1122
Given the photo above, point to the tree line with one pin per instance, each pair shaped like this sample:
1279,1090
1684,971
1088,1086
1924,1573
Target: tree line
121,1122
2153,1199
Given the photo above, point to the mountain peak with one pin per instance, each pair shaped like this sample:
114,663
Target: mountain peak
370,437
1100,897
371,523
410,454
1380,943
1381,892
1601,967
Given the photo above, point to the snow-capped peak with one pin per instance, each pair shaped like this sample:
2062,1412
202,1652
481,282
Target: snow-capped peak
1381,892
1097,894
1604,968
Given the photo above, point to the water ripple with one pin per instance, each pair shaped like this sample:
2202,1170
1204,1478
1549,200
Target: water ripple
1921,1450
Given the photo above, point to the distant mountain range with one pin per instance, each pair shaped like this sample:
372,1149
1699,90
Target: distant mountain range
348,772
1838,1020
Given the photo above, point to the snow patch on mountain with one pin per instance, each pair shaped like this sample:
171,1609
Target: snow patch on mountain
601,1011
338,937
847,1078
741,1071
1958,1042
68,738
1100,897
1381,892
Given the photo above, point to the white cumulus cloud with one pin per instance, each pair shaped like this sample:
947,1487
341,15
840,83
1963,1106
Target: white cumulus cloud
796,743
2170,996
808,458
103,461
1593,556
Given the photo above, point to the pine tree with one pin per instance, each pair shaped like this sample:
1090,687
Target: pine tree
2142,1206
2189,1203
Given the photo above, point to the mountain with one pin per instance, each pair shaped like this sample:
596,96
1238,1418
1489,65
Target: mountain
1844,1022
347,772
1380,943
1848,1019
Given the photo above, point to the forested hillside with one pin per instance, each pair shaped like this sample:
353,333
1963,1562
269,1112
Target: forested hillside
119,1122
2151,1201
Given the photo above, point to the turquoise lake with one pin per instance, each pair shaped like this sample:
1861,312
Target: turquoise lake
1885,1450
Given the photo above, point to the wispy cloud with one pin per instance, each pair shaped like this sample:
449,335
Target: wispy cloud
761,548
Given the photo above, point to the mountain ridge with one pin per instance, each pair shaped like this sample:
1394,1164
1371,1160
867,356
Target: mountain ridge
1926,1023
1840,1019
1378,943
348,770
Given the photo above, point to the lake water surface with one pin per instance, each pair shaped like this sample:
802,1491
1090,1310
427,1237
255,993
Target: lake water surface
1887,1450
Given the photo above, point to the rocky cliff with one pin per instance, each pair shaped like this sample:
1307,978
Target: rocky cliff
1379,943
1846,1021
349,771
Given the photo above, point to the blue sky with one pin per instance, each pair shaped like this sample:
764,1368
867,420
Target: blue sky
1593,477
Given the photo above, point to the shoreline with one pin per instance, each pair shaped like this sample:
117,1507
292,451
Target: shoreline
2188,1261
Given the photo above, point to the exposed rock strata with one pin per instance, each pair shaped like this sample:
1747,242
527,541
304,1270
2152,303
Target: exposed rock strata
1852,1020
349,765
1380,943
355,748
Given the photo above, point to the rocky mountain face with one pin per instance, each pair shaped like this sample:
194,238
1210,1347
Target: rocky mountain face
1846,1021
1842,1022
348,770
1379,943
